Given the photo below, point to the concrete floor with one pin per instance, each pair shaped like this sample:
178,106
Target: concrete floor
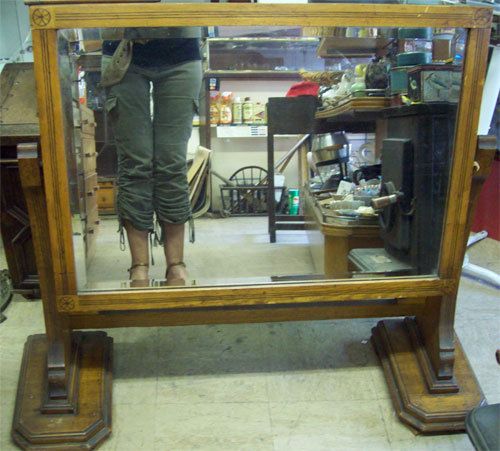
229,250
283,386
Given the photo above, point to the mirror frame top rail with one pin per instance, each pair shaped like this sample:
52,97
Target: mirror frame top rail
79,15
48,18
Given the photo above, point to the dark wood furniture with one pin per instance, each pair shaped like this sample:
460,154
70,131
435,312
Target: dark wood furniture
18,125
65,377
86,177
285,115
299,115
331,239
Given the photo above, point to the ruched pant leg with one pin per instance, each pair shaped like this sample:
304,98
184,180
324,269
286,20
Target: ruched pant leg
128,106
175,94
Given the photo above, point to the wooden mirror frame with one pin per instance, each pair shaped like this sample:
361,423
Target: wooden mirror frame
67,373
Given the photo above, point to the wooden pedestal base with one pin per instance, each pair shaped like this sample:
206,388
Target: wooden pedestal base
91,423
415,404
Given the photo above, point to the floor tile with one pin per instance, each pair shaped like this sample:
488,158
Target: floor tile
9,375
217,341
492,398
483,339
136,391
238,388
7,406
319,344
6,415
379,383
6,444
222,426
27,315
205,350
327,425
484,252
136,355
133,428
423,443
476,300
220,249
402,438
461,442
321,385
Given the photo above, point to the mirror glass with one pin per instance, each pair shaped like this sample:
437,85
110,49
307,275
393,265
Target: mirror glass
256,155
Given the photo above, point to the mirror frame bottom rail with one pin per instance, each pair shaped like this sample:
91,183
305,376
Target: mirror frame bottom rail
253,296
250,314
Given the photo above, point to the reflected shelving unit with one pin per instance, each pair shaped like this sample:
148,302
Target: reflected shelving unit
253,58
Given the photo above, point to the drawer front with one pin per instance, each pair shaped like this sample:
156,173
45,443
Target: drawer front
87,121
90,193
90,227
77,115
106,197
77,136
80,186
89,155
92,222
88,127
90,239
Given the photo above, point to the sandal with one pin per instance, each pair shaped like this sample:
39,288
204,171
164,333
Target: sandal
136,265
175,280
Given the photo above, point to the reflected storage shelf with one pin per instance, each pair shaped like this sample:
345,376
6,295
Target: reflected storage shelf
253,74
253,57
352,106
341,46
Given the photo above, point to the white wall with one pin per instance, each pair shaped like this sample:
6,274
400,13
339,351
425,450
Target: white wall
14,32
229,155
281,1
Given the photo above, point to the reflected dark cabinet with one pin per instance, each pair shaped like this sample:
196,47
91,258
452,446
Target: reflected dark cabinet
299,113
427,132
16,231
18,125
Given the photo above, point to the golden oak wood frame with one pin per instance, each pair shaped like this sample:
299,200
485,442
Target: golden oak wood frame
61,381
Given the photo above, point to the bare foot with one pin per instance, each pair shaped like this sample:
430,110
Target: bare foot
139,271
139,283
176,274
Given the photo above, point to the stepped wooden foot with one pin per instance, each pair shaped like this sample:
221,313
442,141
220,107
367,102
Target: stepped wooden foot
437,407
90,423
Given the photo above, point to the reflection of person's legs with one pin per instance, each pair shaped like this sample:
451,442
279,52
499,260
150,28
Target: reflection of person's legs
174,251
175,94
139,251
128,104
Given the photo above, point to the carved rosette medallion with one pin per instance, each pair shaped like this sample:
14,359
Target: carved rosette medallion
40,17
483,17
66,304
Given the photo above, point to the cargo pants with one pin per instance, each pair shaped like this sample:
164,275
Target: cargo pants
152,148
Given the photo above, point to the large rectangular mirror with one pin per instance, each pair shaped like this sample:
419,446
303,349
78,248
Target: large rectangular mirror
170,126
